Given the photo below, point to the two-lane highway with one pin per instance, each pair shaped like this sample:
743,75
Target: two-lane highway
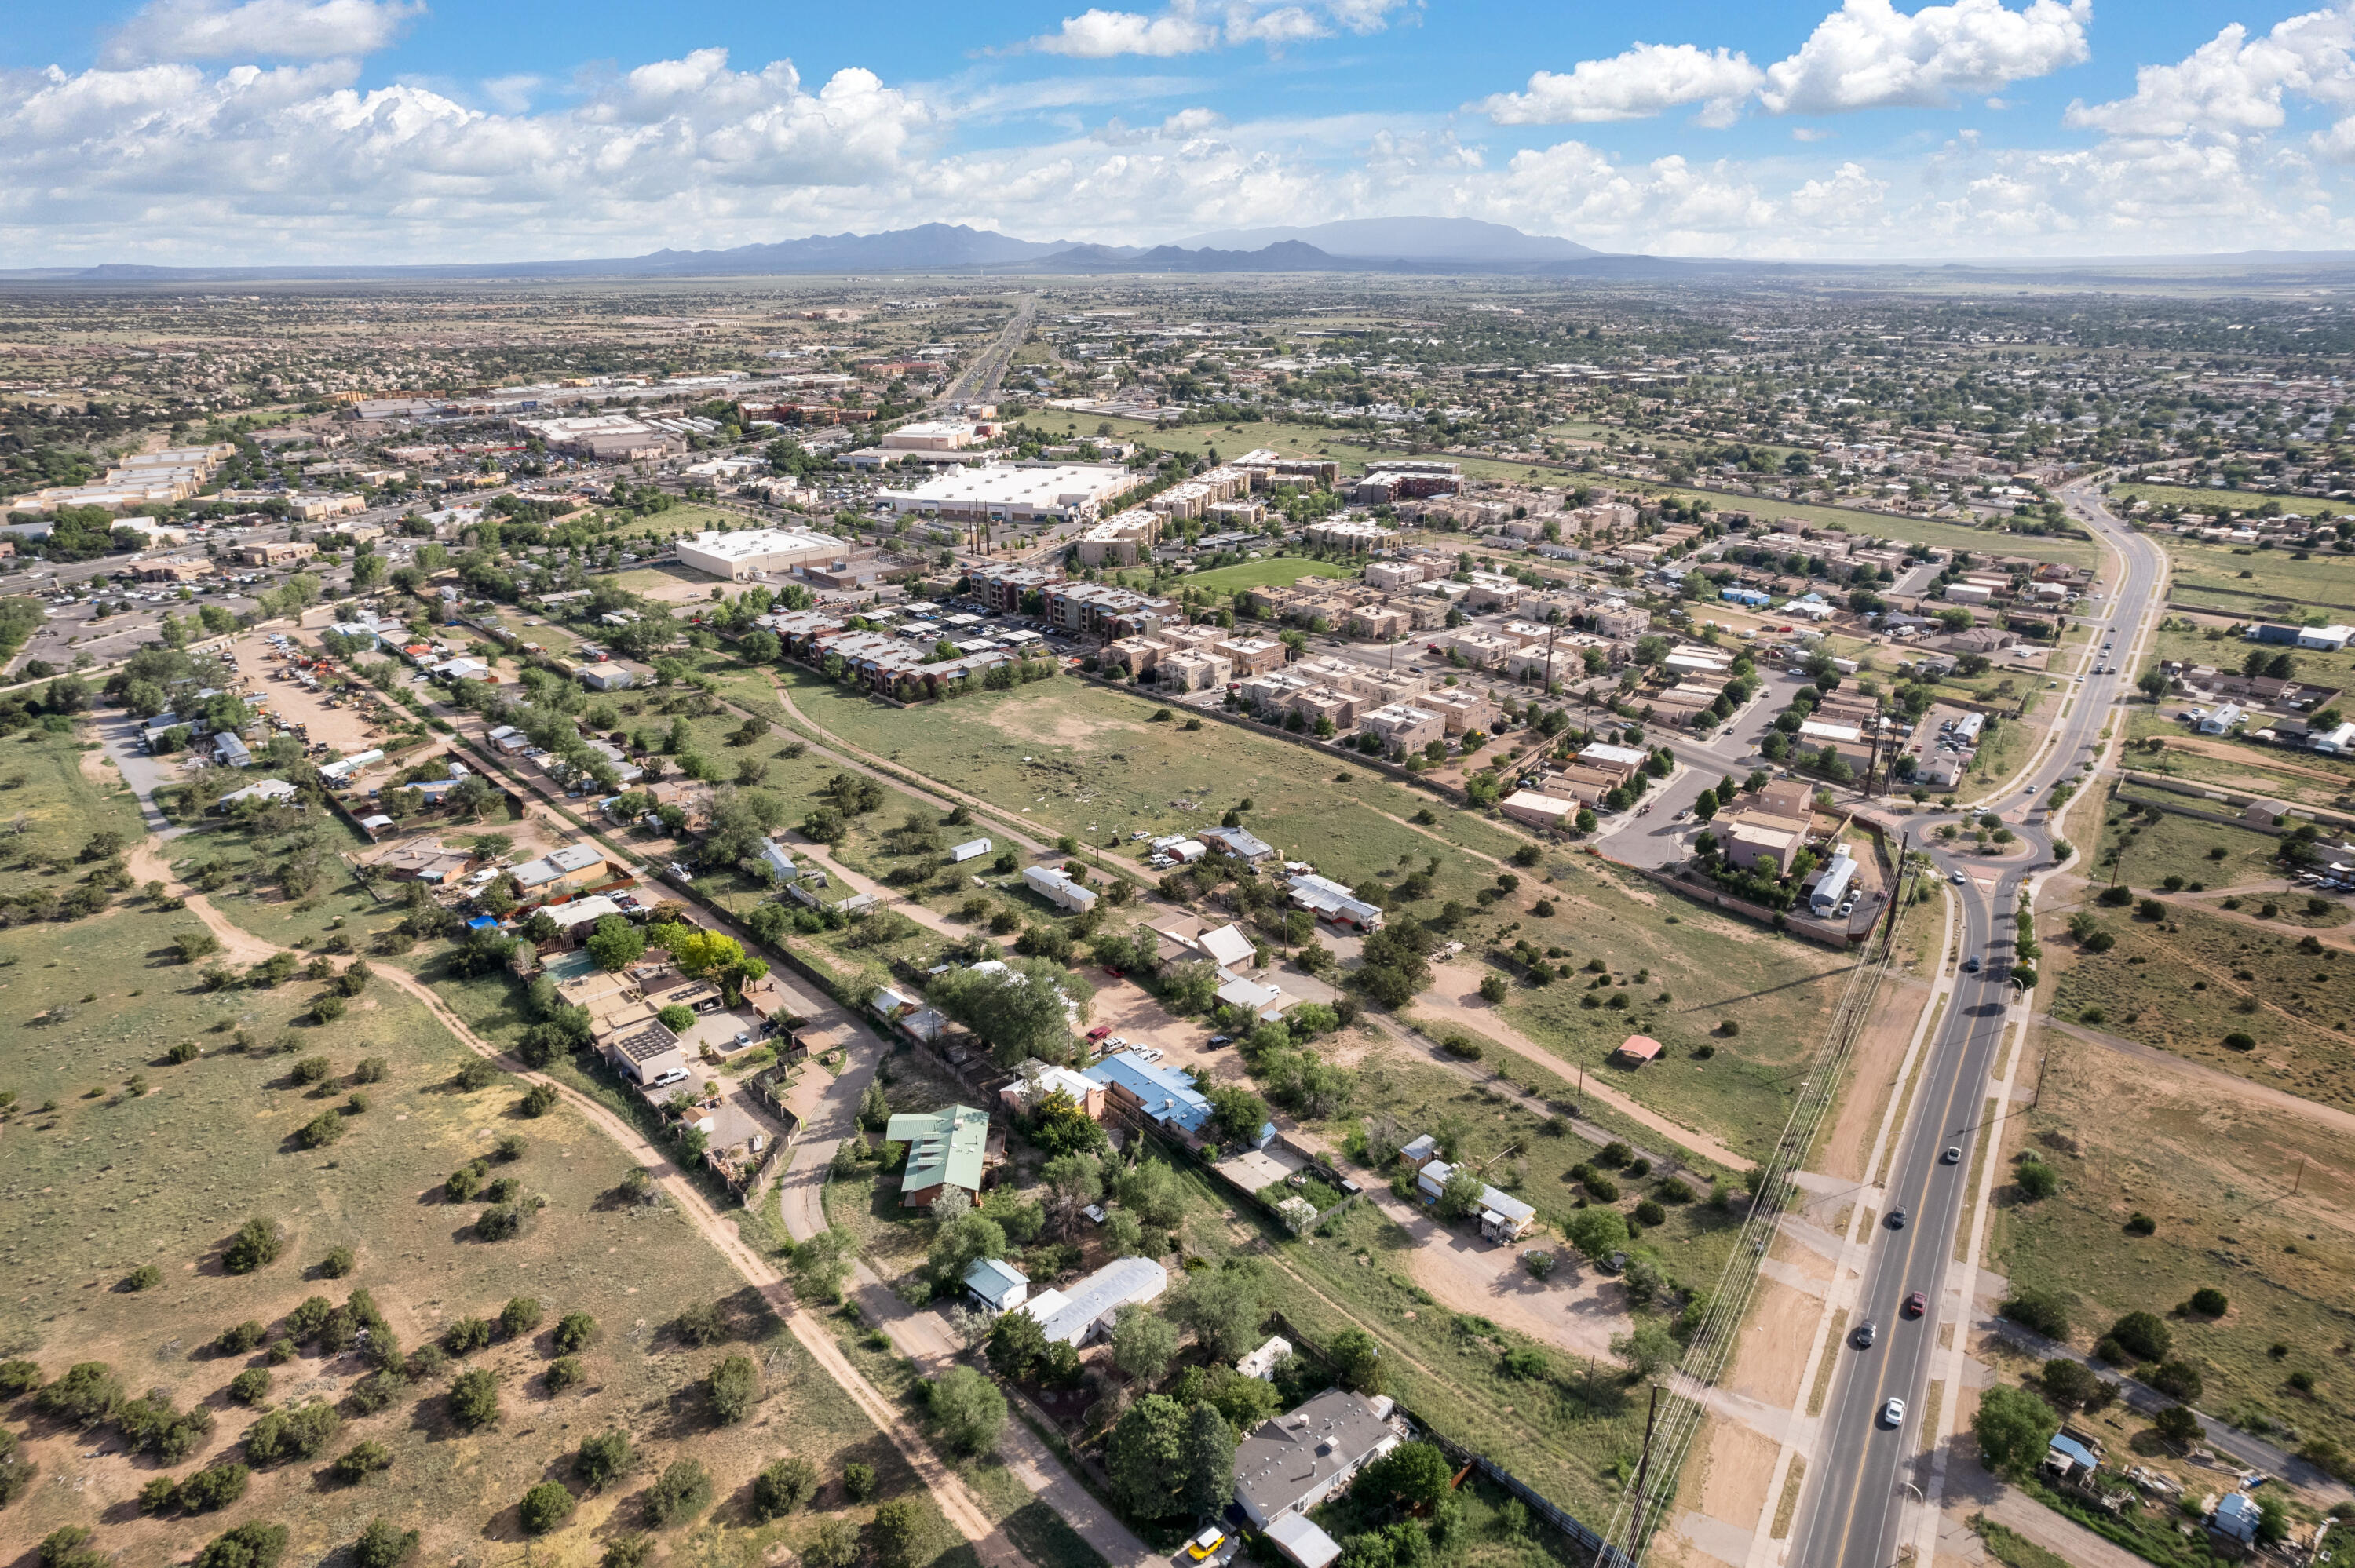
1864,1469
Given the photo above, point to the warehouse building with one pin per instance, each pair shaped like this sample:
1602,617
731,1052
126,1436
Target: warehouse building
754,552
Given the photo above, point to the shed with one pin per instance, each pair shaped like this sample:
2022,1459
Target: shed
1261,1363
1420,1153
2237,1516
997,1284
1302,1543
1637,1050
960,854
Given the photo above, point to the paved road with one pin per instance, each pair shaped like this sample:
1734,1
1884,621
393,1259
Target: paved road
1863,1467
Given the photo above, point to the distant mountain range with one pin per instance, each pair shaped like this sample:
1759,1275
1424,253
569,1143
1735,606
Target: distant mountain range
1406,246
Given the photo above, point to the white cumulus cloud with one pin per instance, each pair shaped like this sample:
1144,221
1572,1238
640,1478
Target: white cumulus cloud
260,30
2234,84
1191,27
1869,54
1646,79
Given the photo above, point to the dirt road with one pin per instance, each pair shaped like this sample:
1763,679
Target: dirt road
1454,998
956,1503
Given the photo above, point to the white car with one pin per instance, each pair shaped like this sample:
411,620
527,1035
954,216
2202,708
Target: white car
1893,1413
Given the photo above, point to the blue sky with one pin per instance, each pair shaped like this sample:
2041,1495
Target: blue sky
210,131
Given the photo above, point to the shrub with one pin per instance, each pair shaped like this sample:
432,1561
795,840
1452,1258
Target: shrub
297,1434
337,1264
603,1458
539,1101
18,1377
257,1244
477,1074
427,1363
2036,1179
377,1390
519,1316
383,1545
858,1482
544,1508
678,1494
498,1224
573,1332
836,1545
371,1070
699,1325
2041,1311
326,1007
2178,1380
322,1129
251,1545
733,1387
214,1486
251,1387
2143,1336
463,1183
88,1393
2209,1302
1602,1187
146,1276
782,1488
465,1336
1462,1046
185,1052
360,1461
2236,1041
1651,1213
474,1399
510,1147
311,1070
564,1372
635,1551
1729,1028
2140,1225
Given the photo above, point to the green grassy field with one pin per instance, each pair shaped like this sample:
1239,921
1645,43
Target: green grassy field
1281,569
2187,986
2217,1177
2180,638
51,805
1710,968
2239,580
2207,502
2152,852
1078,759
105,1183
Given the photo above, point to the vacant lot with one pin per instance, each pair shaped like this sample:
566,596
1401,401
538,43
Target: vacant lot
54,794
2295,778
136,1161
1679,984
2150,849
1081,760
2190,984
2216,1175
2240,579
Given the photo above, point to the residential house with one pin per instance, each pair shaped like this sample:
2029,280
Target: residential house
1058,887
418,861
996,1285
1503,1218
1035,1080
561,870
1292,1462
1240,842
1330,900
1086,1310
953,1147
1163,1095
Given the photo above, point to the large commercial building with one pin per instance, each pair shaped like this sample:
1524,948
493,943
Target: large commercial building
605,438
752,552
1015,492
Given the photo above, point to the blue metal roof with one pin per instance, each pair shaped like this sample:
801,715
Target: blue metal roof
2077,1452
1166,1092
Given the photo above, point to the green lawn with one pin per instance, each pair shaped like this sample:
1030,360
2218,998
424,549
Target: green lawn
50,806
1275,570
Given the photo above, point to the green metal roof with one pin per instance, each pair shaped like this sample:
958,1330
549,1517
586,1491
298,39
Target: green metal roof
943,1146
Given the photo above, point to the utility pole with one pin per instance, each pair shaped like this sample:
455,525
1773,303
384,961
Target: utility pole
1643,1466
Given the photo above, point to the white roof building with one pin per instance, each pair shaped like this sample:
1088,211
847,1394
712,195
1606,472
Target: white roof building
1013,493
1076,1315
749,552
1227,946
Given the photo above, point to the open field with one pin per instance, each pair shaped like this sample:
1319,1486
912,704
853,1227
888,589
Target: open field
2150,851
55,795
1078,759
2300,778
1708,967
2208,501
2239,580
2186,985
163,1161
2217,1176
1275,570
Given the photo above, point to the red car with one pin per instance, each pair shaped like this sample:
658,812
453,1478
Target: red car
1098,1032
1116,974
1917,1304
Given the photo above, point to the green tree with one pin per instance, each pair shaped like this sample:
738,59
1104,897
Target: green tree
967,1410
1207,1463
1597,1233
897,1533
603,1458
1222,1307
544,1508
1416,1475
474,1399
733,1388
615,944
1357,1359
383,1545
1017,1345
1647,1349
2144,1335
782,1488
1145,1457
682,1491
1144,1343
2014,1428
253,1544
